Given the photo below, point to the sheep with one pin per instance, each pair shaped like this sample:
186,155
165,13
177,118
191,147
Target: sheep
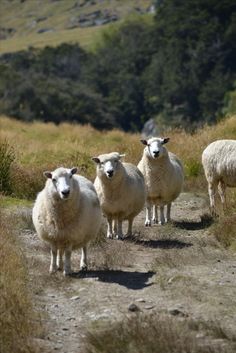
121,191
219,164
62,216
164,176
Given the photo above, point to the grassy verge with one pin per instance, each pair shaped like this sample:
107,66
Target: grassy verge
157,333
17,325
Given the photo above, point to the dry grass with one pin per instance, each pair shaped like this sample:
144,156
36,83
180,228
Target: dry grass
157,334
17,319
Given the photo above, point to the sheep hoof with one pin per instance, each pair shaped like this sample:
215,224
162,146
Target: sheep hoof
161,223
109,236
67,272
83,268
52,270
119,237
148,224
155,221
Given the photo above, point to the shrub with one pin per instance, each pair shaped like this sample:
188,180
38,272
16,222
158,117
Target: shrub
7,157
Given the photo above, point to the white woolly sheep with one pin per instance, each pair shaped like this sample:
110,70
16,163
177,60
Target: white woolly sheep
163,174
219,163
62,216
121,191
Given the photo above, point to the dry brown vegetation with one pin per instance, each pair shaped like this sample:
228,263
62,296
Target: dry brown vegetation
156,333
17,319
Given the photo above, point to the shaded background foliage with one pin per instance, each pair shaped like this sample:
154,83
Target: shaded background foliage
178,68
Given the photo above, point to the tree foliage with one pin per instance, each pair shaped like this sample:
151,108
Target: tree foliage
179,67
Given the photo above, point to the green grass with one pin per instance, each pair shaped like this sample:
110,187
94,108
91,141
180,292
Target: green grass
9,202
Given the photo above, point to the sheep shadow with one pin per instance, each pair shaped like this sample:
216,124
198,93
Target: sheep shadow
205,222
159,244
131,280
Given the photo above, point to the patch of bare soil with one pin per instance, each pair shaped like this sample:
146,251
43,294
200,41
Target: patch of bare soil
178,269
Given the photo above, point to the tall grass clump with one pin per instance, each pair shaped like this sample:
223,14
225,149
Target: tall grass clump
7,157
149,334
16,312
224,228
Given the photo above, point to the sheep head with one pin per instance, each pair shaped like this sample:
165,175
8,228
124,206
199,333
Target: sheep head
61,181
108,164
154,146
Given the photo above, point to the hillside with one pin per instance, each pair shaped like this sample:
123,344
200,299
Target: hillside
38,23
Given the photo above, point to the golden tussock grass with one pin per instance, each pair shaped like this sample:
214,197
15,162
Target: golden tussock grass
17,319
39,147
156,333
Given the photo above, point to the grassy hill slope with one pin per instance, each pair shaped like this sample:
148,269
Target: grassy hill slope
51,22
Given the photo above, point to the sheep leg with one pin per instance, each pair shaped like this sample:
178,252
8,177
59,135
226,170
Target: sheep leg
154,215
162,217
67,265
60,253
148,215
83,260
114,232
221,190
130,224
168,212
53,265
119,230
109,228
211,192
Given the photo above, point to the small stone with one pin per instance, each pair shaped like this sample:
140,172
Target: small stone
140,300
65,329
149,307
76,297
133,308
176,312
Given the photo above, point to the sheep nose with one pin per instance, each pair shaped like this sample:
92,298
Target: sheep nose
110,173
66,192
156,153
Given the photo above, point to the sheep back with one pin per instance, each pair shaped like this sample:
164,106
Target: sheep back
219,162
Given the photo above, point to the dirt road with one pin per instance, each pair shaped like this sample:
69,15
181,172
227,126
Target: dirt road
178,269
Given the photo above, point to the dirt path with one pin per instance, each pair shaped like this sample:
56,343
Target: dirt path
178,269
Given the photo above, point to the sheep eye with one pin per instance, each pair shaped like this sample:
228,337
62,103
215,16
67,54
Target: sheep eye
54,180
70,176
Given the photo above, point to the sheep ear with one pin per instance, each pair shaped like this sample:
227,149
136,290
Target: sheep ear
121,155
144,142
96,160
48,175
165,140
73,170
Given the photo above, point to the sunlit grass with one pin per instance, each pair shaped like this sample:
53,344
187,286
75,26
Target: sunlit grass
17,319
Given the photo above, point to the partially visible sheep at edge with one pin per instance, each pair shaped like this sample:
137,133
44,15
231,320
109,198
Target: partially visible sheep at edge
219,163
121,191
62,216
164,177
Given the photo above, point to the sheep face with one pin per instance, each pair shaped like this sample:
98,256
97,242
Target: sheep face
154,146
108,164
61,182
